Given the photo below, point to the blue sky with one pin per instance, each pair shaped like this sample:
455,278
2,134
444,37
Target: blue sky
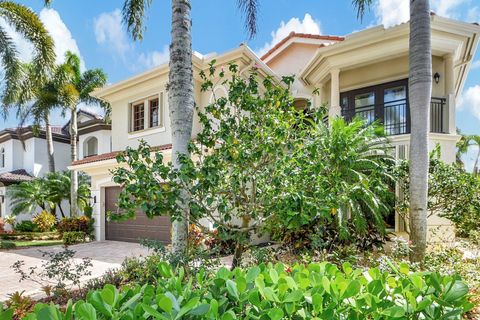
93,29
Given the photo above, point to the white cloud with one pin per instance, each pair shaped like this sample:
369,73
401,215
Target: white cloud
473,14
392,12
307,25
154,58
61,35
447,8
23,47
476,64
470,100
109,32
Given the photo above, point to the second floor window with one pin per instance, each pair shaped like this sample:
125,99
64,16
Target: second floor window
154,113
146,113
2,158
138,117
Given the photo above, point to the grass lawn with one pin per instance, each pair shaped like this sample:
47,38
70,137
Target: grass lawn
36,243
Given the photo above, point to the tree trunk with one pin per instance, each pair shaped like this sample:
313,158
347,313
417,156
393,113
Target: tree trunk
420,91
49,139
73,173
181,103
475,166
240,246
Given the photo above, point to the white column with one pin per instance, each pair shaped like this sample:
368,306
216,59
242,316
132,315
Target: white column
334,110
97,215
450,93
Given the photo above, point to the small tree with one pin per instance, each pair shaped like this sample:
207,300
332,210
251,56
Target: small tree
249,163
453,193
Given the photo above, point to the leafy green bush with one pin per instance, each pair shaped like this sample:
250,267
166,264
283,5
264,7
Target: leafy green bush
7,245
26,226
45,221
321,291
30,236
73,237
83,224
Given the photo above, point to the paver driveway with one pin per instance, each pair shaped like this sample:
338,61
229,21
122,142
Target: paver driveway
105,255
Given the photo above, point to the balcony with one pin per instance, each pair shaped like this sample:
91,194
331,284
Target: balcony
395,115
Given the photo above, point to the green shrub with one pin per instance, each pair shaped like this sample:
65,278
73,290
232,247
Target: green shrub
26,226
315,291
7,245
83,224
73,237
45,221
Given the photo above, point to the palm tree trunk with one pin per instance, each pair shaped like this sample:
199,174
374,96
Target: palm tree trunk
73,173
181,103
475,166
49,139
420,91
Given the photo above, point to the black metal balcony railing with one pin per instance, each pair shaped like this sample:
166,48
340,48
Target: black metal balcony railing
395,115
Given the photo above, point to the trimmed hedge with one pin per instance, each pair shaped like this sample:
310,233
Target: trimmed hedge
316,291
30,236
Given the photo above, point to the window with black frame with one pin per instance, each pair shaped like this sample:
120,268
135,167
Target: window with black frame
386,103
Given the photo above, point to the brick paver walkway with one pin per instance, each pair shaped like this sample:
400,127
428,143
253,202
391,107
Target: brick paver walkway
105,255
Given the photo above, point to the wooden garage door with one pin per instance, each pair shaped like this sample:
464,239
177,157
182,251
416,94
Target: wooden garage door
137,229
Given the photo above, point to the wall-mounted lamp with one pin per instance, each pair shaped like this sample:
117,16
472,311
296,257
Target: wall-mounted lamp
436,77
94,198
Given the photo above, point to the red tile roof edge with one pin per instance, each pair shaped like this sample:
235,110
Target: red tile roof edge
300,35
113,155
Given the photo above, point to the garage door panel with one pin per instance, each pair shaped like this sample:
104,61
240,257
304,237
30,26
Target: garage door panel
134,230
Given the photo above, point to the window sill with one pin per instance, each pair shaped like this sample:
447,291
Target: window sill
145,132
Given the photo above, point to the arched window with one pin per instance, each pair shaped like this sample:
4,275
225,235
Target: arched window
90,147
2,158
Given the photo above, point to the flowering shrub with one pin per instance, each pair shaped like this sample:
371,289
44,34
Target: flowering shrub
315,291
45,221
81,224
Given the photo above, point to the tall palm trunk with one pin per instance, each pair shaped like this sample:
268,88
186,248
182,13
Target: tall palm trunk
181,103
420,91
73,173
49,139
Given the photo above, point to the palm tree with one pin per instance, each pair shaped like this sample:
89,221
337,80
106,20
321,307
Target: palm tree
462,147
77,89
29,195
27,23
180,93
420,92
36,98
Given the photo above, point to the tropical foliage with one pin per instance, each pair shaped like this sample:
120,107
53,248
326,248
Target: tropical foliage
46,193
321,291
453,194
26,22
252,164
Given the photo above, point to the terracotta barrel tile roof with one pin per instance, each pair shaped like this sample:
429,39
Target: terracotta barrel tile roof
15,176
301,35
113,155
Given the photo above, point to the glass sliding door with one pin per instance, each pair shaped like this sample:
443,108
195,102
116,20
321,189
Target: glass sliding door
395,110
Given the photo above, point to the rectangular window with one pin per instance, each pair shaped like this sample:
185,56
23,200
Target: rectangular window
154,113
365,106
138,117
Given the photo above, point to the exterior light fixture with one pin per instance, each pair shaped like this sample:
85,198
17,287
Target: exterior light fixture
436,77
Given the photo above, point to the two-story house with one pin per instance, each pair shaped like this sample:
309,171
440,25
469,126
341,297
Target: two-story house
23,152
362,74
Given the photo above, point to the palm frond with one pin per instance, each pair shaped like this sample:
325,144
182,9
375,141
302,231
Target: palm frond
27,23
250,9
11,65
361,6
134,13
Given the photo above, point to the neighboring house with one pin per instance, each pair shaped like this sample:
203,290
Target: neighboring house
23,152
363,74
